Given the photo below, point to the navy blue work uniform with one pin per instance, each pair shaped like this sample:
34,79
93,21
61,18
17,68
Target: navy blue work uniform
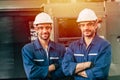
36,62
98,52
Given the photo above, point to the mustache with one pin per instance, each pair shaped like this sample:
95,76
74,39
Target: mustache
45,33
87,30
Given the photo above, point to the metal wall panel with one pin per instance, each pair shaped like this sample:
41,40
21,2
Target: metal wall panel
113,31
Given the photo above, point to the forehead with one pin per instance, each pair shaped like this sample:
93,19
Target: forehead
44,24
85,22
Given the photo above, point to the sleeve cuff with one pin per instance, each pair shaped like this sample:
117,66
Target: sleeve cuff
90,74
56,66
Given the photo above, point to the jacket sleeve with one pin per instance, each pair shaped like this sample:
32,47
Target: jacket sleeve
101,66
32,70
68,64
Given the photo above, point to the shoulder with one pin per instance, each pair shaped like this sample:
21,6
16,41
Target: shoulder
57,45
75,43
28,46
103,41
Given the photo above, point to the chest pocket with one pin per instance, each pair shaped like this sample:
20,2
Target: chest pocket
54,59
40,58
79,57
92,56
39,61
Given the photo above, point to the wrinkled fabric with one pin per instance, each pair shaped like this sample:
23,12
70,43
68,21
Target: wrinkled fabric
36,63
98,52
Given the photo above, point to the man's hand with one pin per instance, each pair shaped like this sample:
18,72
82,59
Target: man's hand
51,67
83,74
87,64
82,66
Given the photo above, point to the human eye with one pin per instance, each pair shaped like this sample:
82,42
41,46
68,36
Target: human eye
40,28
48,27
90,24
81,25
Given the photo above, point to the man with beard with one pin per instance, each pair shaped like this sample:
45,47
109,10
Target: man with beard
88,58
42,57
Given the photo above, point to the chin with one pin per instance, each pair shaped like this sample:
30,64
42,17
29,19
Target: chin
87,35
45,38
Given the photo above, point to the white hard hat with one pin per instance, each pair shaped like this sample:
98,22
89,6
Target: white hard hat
86,15
42,18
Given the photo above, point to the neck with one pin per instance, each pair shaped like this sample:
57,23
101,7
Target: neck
88,40
44,43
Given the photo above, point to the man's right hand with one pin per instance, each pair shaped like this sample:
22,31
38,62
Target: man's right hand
82,66
87,64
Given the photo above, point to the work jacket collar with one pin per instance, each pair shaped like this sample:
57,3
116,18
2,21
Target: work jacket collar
95,39
38,45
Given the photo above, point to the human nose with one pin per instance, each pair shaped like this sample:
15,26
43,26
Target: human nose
86,26
45,29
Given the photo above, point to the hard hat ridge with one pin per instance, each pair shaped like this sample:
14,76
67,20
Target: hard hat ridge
42,18
86,15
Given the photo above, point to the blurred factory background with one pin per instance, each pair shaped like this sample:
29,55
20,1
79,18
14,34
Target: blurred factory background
16,17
